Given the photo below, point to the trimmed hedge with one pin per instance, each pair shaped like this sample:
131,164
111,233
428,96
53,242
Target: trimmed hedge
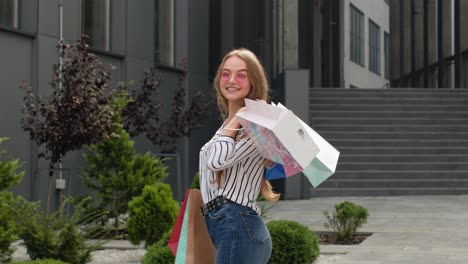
151,214
159,252
293,243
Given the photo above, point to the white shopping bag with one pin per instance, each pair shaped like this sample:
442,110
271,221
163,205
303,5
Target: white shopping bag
325,162
279,135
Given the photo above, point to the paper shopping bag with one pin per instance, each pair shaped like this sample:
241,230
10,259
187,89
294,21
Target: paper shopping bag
200,248
324,164
194,243
176,230
279,135
181,255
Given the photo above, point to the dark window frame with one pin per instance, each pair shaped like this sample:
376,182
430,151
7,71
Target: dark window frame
374,47
14,13
164,57
387,53
107,46
357,35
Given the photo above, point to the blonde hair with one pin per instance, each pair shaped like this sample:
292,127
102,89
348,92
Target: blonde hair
259,89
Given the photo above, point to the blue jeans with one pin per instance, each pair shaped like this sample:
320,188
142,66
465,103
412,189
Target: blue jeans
239,235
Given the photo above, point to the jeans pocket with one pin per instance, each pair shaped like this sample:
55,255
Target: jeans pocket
219,213
255,226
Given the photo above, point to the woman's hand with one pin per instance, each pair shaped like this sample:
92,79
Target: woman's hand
233,126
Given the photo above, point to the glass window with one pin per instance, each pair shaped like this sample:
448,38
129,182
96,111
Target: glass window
164,44
96,22
387,55
357,35
374,47
9,13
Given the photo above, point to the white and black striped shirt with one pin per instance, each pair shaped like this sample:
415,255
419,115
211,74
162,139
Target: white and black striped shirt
242,167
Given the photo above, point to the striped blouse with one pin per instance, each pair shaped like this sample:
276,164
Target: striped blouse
242,167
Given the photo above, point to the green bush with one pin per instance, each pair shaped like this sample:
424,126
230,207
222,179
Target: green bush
117,173
41,261
151,214
13,211
7,236
58,235
9,176
196,181
159,252
292,242
346,219
9,167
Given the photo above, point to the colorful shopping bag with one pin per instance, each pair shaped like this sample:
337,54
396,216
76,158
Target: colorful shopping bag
181,255
176,230
194,244
285,139
279,135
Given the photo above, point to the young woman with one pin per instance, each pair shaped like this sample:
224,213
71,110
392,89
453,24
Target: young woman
232,169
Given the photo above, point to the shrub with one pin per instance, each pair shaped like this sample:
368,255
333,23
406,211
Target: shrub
58,236
159,252
346,219
9,176
117,173
196,181
292,242
8,231
151,214
41,261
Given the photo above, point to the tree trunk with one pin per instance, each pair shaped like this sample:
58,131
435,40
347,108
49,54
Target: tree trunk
49,190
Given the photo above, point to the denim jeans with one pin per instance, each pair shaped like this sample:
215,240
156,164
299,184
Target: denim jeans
239,235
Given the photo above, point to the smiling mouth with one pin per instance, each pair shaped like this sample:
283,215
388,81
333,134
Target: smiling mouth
233,89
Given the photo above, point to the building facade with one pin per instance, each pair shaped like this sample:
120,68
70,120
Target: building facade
132,36
429,44
303,44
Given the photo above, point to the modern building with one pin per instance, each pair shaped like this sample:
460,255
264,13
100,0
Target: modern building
308,48
131,35
428,43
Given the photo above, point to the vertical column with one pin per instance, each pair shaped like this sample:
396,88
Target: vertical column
440,47
278,64
395,35
326,59
228,10
432,43
316,64
457,45
291,34
464,43
444,41
413,42
426,40
407,40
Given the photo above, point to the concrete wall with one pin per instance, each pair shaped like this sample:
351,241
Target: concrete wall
16,53
30,56
358,75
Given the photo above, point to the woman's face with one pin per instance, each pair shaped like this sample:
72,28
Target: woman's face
234,80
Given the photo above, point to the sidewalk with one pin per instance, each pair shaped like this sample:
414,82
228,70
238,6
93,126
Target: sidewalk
406,229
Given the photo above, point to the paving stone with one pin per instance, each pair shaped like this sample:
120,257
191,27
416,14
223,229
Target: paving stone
406,229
